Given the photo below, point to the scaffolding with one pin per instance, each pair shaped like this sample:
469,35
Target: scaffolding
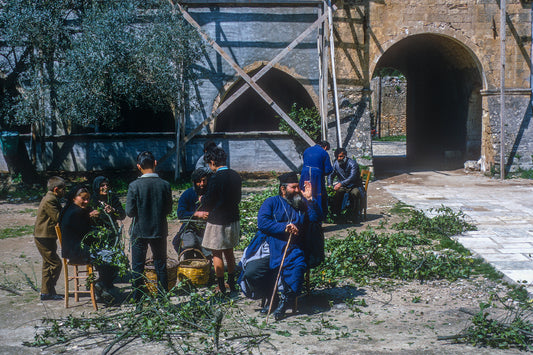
324,21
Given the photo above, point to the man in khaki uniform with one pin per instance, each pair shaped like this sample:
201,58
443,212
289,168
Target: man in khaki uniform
45,237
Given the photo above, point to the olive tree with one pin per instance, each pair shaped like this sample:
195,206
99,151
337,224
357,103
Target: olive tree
129,55
82,61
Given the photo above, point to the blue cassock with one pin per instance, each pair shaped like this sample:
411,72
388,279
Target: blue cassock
274,215
316,166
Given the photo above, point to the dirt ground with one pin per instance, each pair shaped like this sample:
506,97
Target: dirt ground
403,318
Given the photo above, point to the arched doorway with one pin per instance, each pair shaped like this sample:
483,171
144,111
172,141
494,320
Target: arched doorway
251,113
443,104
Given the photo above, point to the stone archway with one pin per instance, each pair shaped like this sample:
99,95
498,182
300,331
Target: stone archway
443,98
251,113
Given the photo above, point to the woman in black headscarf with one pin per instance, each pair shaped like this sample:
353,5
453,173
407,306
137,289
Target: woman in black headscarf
75,223
103,198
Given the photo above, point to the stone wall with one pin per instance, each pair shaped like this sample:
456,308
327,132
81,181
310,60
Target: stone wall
355,124
392,119
368,29
253,152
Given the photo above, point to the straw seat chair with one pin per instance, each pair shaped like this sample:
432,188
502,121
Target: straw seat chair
79,277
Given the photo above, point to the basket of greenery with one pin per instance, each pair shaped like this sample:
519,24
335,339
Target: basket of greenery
194,270
150,276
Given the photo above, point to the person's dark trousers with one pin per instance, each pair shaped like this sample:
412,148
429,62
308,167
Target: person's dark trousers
51,268
106,275
138,259
336,205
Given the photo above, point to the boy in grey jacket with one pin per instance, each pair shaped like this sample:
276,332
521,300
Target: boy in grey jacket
149,202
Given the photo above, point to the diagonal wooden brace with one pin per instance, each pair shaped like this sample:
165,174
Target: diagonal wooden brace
256,77
247,78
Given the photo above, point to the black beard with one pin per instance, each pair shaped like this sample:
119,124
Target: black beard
200,190
296,201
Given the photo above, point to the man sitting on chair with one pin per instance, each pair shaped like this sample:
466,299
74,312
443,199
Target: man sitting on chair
349,183
282,223
190,211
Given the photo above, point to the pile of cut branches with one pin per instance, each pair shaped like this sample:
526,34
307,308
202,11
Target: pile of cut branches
420,249
189,324
502,322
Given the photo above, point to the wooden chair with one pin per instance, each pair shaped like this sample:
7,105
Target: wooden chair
365,176
79,275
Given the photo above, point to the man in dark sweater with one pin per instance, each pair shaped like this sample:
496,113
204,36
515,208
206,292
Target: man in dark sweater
149,202
222,231
349,181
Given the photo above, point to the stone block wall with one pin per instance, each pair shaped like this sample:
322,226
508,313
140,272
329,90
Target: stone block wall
392,120
355,124
367,29
255,152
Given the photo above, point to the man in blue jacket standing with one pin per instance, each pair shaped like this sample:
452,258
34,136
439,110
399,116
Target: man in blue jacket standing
349,181
149,202
316,166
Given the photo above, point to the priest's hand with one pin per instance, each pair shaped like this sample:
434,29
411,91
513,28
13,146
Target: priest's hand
307,192
292,229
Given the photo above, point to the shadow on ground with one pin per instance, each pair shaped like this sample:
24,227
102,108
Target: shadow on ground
385,167
319,301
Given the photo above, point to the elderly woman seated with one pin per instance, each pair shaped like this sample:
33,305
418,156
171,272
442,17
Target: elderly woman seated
75,224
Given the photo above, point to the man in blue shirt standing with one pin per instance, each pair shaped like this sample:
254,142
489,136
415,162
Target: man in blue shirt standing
316,166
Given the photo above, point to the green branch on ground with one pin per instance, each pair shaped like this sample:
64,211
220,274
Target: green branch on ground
199,322
501,322
420,249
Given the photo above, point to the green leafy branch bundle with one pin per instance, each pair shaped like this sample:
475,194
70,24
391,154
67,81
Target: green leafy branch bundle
198,323
512,328
105,245
423,251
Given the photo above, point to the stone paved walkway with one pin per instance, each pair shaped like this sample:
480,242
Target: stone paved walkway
502,211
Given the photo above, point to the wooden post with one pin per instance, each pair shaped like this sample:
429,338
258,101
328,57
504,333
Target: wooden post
325,74
503,6
320,48
333,76
178,133
378,114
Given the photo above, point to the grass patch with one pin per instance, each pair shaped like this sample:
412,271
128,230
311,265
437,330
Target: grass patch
31,211
524,174
16,231
401,208
391,139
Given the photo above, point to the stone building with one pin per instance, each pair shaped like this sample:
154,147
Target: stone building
448,50
388,105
